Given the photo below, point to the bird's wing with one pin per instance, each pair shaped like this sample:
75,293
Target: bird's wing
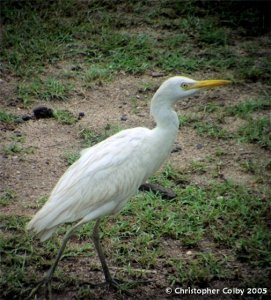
109,171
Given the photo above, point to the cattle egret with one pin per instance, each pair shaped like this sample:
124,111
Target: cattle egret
106,175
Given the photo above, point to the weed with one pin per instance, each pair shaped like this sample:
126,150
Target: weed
148,87
186,119
97,73
64,117
38,203
7,198
16,148
205,267
244,109
49,89
220,152
257,131
212,130
11,149
7,118
211,107
134,104
91,138
210,33
198,167
70,158
255,69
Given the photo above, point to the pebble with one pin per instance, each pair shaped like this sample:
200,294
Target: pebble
81,115
123,118
177,148
26,117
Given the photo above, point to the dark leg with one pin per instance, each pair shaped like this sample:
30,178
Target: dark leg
48,277
96,241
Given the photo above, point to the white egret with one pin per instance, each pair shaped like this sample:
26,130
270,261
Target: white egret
106,175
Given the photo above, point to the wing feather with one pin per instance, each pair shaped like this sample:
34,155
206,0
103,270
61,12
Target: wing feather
109,171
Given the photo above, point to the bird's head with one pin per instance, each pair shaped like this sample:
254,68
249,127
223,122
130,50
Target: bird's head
178,87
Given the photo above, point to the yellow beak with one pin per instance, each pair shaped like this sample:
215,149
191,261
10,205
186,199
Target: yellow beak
203,84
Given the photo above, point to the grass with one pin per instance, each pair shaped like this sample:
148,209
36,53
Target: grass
50,89
16,148
97,73
7,117
64,117
7,198
70,158
106,49
257,131
211,130
243,109
91,137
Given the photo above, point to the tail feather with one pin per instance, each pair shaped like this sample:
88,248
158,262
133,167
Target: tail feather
46,220
42,232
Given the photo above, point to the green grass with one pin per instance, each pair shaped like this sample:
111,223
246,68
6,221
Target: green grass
70,158
257,131
212,130
64,117
105,46
16,148
49,89
261,169
187,119
97,73
7,198
245,108
7,117
90,137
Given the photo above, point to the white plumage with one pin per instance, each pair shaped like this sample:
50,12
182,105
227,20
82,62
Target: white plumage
109,173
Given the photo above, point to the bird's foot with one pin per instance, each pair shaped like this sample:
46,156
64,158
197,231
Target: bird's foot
124,286
48,289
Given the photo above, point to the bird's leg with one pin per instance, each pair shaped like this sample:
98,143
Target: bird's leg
48,277
108,278
96,241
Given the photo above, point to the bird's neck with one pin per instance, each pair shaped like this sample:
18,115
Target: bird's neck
165,117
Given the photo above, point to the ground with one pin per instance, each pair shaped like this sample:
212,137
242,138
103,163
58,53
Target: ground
216,233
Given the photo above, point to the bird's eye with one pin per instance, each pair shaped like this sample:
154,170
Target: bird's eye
184,85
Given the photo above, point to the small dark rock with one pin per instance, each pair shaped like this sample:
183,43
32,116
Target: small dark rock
26,117
42,112
166,193
177,148
76,68
199,146
81,115
123,118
